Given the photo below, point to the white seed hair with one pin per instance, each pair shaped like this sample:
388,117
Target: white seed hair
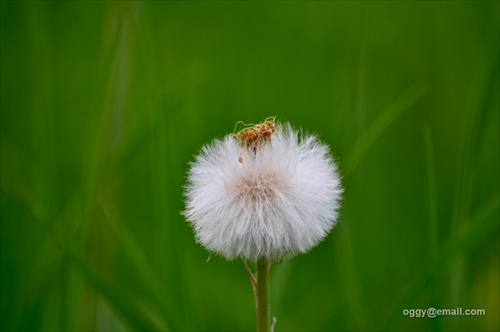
274,200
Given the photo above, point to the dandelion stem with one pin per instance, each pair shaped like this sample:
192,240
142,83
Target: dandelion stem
262,295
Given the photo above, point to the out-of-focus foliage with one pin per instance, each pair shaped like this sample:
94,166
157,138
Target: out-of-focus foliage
103,105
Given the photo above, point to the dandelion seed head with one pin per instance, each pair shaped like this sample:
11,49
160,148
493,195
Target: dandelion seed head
264,192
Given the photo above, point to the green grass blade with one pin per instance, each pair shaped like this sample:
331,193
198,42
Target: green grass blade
125,305
481,225
383,121
140,263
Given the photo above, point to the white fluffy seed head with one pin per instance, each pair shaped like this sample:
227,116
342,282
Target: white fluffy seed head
274,199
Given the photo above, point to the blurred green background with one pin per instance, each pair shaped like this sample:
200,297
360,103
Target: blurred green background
103,105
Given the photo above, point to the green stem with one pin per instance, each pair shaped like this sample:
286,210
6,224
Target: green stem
262,295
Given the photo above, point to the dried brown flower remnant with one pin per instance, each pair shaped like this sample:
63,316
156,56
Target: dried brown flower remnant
254,135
